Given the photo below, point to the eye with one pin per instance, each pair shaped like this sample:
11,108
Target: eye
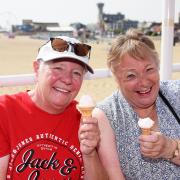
130,76
150,69
57,69
77,73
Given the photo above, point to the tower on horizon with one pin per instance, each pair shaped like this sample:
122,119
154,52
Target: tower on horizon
100,18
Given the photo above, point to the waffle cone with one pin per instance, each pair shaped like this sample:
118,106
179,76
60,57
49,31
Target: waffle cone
86,111
145,131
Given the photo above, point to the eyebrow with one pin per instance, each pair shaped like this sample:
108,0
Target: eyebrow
135,69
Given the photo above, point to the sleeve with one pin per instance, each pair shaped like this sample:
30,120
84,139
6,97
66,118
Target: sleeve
4,140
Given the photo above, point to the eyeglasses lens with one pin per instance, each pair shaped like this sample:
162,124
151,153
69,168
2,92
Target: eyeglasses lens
79,49
59,45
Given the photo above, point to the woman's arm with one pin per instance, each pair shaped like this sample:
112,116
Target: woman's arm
3,166
107,147
89,137
98,147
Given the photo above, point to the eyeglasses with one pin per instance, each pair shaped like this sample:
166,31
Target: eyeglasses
79,49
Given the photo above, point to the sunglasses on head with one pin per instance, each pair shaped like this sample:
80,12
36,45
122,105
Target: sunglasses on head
79,49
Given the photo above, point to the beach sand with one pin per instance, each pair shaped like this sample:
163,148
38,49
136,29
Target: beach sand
16,56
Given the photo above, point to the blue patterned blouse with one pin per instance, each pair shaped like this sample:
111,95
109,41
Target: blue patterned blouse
124,123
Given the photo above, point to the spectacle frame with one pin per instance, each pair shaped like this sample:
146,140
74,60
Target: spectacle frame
79,49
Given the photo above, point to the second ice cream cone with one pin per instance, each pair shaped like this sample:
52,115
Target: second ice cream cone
145,131
145,124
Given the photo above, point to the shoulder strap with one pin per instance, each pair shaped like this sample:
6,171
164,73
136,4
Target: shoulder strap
169,106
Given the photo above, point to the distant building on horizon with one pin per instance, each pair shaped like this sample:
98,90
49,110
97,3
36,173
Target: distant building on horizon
113,22
42,30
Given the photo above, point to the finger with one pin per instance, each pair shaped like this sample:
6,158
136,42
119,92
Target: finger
156,132
152,155
89,127
88,143
89,120
146,145
153,138
156,135
89,136
153,151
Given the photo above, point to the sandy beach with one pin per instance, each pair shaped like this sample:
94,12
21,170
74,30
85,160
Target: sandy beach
17,55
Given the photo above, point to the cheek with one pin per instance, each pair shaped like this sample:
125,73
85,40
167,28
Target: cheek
127,86
77,85
127,89
156,78
53,78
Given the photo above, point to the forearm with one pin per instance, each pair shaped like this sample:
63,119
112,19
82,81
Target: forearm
93,167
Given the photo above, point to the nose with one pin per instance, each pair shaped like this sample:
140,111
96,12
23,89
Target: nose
143,80
66,78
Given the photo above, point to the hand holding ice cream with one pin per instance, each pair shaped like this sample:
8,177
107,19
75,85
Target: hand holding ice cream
158,144
89,133
146,124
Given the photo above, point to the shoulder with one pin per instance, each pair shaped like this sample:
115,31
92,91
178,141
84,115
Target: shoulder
170,87
109,101
6,99
113,105
73,103
71,108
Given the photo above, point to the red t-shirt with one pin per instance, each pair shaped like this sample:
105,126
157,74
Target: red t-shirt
41,145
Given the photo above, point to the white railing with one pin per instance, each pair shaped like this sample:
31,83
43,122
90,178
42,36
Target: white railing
176,67
29,79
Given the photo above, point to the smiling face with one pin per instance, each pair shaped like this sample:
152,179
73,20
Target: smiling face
58,83
138,80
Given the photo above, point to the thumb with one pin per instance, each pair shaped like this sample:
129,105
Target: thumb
156,133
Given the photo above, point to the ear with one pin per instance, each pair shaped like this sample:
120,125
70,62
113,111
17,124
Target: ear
36,65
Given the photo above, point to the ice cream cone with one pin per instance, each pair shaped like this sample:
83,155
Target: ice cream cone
145,124
86,106
145,131
85,111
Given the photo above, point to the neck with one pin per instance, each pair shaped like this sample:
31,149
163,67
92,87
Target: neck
40,103
147,112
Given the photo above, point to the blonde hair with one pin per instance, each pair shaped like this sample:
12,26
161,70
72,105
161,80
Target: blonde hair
135,44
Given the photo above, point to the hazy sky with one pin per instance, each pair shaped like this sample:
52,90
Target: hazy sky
85,11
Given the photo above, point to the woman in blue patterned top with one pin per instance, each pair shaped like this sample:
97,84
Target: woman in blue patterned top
134,63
